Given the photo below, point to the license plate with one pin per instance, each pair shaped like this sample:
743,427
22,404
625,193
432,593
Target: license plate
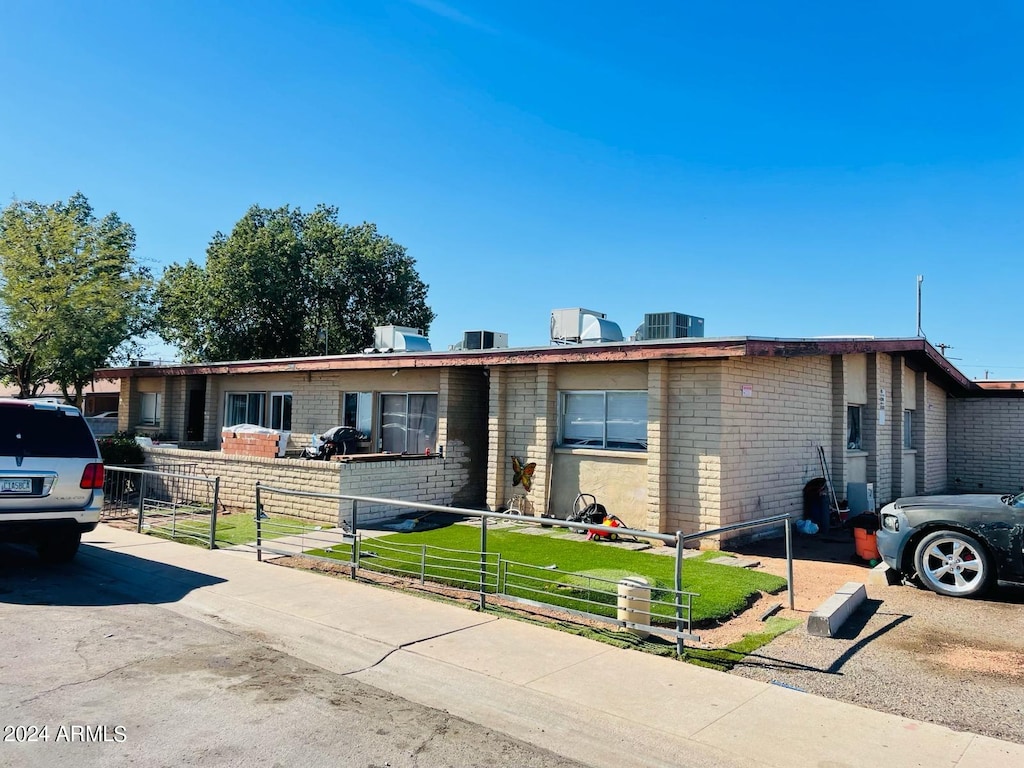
16,485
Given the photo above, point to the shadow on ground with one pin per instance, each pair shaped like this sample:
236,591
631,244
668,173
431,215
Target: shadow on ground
95,577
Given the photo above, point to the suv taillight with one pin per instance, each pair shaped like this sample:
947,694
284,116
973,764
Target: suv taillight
92,477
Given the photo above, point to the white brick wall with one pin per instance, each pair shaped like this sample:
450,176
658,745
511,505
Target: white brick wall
936,478
769,440
432,480
986,449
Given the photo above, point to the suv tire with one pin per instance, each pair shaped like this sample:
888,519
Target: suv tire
59,547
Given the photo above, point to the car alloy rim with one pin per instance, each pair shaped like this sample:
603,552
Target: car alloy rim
953,564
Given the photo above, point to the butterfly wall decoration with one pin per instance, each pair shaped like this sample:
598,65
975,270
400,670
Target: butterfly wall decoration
523,473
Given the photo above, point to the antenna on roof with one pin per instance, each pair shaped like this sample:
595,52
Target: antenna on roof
920,279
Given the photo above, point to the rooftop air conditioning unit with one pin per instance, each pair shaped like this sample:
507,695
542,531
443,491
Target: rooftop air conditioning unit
396,338
483,340
670,325
142,363
578,325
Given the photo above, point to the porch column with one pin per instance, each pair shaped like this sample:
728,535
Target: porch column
657,445
545,435
496,426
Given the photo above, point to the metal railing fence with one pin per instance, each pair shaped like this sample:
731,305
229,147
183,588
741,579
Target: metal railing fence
664,611
171,504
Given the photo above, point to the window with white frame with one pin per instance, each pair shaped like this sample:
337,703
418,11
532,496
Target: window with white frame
246,408
604,419
281,411
150,408
908,429
408,422
357,411
853,434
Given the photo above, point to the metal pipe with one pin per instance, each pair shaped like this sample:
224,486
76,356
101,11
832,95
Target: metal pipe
789,560
483,564
679,593
213,512
259,521
664,537
142,501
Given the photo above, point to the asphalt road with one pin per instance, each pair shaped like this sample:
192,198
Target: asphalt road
954,662
94,673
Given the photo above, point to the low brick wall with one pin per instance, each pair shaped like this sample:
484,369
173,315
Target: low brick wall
253,444
430,480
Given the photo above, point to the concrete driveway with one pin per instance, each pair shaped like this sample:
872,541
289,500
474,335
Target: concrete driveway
116,677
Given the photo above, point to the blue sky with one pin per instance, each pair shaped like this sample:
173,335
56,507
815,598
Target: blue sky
780,169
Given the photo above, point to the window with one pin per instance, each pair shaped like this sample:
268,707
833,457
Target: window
150,402
613,420
853,427
281,411
408,422
357,411
908,429
246,408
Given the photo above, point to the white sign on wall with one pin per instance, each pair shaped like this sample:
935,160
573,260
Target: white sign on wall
881,405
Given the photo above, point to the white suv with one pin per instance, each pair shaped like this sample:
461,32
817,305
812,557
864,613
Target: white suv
51,477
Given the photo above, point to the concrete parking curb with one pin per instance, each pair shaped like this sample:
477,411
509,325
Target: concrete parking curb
831,614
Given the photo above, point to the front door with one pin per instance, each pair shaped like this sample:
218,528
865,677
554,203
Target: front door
194,418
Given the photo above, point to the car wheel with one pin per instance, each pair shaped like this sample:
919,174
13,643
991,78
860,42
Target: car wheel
953,563
59,547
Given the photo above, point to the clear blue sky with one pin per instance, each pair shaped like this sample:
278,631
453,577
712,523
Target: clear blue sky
780,169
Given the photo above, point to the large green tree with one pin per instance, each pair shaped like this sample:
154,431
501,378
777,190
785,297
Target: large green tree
284,284
72,296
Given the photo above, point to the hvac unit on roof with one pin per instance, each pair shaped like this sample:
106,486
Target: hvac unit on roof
670,325
578,325
482,340
396,338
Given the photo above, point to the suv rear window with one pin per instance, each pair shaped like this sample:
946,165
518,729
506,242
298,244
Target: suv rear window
27,431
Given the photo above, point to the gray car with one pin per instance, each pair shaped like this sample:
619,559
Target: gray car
955,545
51,477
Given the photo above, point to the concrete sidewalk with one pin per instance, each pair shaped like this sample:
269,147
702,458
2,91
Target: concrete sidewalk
597,704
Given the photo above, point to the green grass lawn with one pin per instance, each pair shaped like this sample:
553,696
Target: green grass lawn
580,573
237,528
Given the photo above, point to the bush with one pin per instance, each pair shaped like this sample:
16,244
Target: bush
120,449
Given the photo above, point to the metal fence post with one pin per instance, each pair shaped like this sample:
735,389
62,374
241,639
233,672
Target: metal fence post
789,560
353,563
679,593
483,563
213,512
142,499
259,520
423,563
355,516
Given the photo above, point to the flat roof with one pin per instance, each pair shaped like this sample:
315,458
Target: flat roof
919,353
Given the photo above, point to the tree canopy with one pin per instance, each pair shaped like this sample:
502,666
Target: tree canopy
287,284
71,294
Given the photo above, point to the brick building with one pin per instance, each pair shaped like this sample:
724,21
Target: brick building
685,434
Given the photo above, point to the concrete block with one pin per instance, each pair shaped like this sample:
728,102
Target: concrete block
830,615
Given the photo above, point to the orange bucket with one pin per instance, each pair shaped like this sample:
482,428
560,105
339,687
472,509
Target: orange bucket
866,544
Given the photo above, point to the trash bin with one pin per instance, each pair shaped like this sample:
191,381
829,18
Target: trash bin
634,603
865,540
816,503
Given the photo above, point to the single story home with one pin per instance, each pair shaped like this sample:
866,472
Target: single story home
680,434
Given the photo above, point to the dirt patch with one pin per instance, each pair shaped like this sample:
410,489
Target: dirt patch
985,662
958,658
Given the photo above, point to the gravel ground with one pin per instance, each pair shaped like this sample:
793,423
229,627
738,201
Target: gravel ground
958,663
